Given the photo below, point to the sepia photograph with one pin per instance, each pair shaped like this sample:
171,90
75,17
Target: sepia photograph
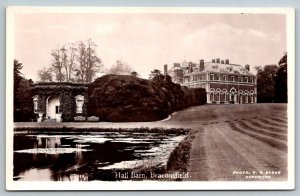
139,98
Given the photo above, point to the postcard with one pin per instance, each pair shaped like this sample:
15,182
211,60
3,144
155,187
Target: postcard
144,98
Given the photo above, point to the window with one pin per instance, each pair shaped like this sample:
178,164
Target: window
246,79
57,109
211,76
224,77
232,78
217,77
217,96
251,80
211,96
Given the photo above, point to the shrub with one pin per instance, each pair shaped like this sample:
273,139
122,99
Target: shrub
126,98
79,119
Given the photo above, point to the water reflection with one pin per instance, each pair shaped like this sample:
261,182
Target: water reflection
93,156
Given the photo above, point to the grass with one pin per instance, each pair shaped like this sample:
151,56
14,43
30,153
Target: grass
178,160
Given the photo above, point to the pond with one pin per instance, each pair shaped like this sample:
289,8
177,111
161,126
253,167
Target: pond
90,156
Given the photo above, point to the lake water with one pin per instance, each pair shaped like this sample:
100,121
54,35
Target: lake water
87,157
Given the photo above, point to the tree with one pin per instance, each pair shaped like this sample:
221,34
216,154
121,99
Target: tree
73,62
23,104
89,62
17,73
120,68
80,70
57,64
134,74
265,84
45,75
258,68
280,79
155,74
69,60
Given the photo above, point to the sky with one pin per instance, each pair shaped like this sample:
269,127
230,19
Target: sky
148,41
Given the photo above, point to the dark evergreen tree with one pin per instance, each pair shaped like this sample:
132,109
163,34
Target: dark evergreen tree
23,103
280,79
266,84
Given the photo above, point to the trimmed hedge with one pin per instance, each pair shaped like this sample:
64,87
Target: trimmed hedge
119,98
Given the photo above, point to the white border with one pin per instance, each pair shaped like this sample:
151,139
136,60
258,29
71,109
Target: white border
149,185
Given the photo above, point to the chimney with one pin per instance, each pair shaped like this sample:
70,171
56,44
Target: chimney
201,65
165,69
227,61
222,61
190,67
247,67
218,60
213,61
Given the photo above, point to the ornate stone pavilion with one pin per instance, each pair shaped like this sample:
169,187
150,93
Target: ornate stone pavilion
60,101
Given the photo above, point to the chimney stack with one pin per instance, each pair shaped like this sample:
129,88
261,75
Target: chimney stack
165,69
213,61
190,67
218,60
201,65
227,61
247,67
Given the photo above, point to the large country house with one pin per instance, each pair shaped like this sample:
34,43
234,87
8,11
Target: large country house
224,82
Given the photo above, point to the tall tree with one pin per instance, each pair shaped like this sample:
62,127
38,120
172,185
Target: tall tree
265,84
93,63
17,73
89,62
23,104
280,79
73,62
120,68
57,64
80,70
45,74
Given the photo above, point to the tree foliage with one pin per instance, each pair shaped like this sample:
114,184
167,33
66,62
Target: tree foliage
45,75
120,68
265,84
89,62
272,82
125,98
156,76
73,62
280,79
23,103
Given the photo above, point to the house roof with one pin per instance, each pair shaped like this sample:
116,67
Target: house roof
222,68
226,68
